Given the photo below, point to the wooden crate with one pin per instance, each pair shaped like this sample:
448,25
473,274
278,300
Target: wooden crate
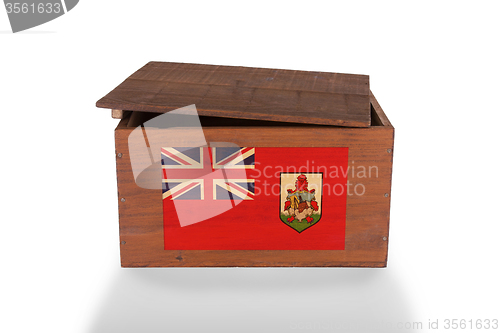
272,111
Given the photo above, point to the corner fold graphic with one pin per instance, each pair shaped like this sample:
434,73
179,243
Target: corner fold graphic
31,13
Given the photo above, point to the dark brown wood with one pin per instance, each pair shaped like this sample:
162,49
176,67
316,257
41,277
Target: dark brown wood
367,219
246,93
380,114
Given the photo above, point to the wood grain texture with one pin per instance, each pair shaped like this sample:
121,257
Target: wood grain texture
384,121
116,114
246,93
367,219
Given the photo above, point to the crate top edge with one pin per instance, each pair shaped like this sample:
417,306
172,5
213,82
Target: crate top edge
318,98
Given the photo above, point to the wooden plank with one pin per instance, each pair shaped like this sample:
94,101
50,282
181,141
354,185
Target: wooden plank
116,114
246,93
380,113
367,219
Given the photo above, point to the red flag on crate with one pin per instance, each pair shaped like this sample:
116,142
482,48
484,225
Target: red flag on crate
254,198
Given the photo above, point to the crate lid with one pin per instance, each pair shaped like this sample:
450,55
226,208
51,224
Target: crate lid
246,93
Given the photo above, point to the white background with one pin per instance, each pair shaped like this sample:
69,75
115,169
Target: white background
433,66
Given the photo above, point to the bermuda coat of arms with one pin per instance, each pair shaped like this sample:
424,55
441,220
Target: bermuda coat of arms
300,206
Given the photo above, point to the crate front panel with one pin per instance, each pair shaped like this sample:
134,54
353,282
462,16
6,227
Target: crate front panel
367,215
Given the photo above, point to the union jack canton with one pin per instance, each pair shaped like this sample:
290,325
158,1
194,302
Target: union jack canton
207,173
